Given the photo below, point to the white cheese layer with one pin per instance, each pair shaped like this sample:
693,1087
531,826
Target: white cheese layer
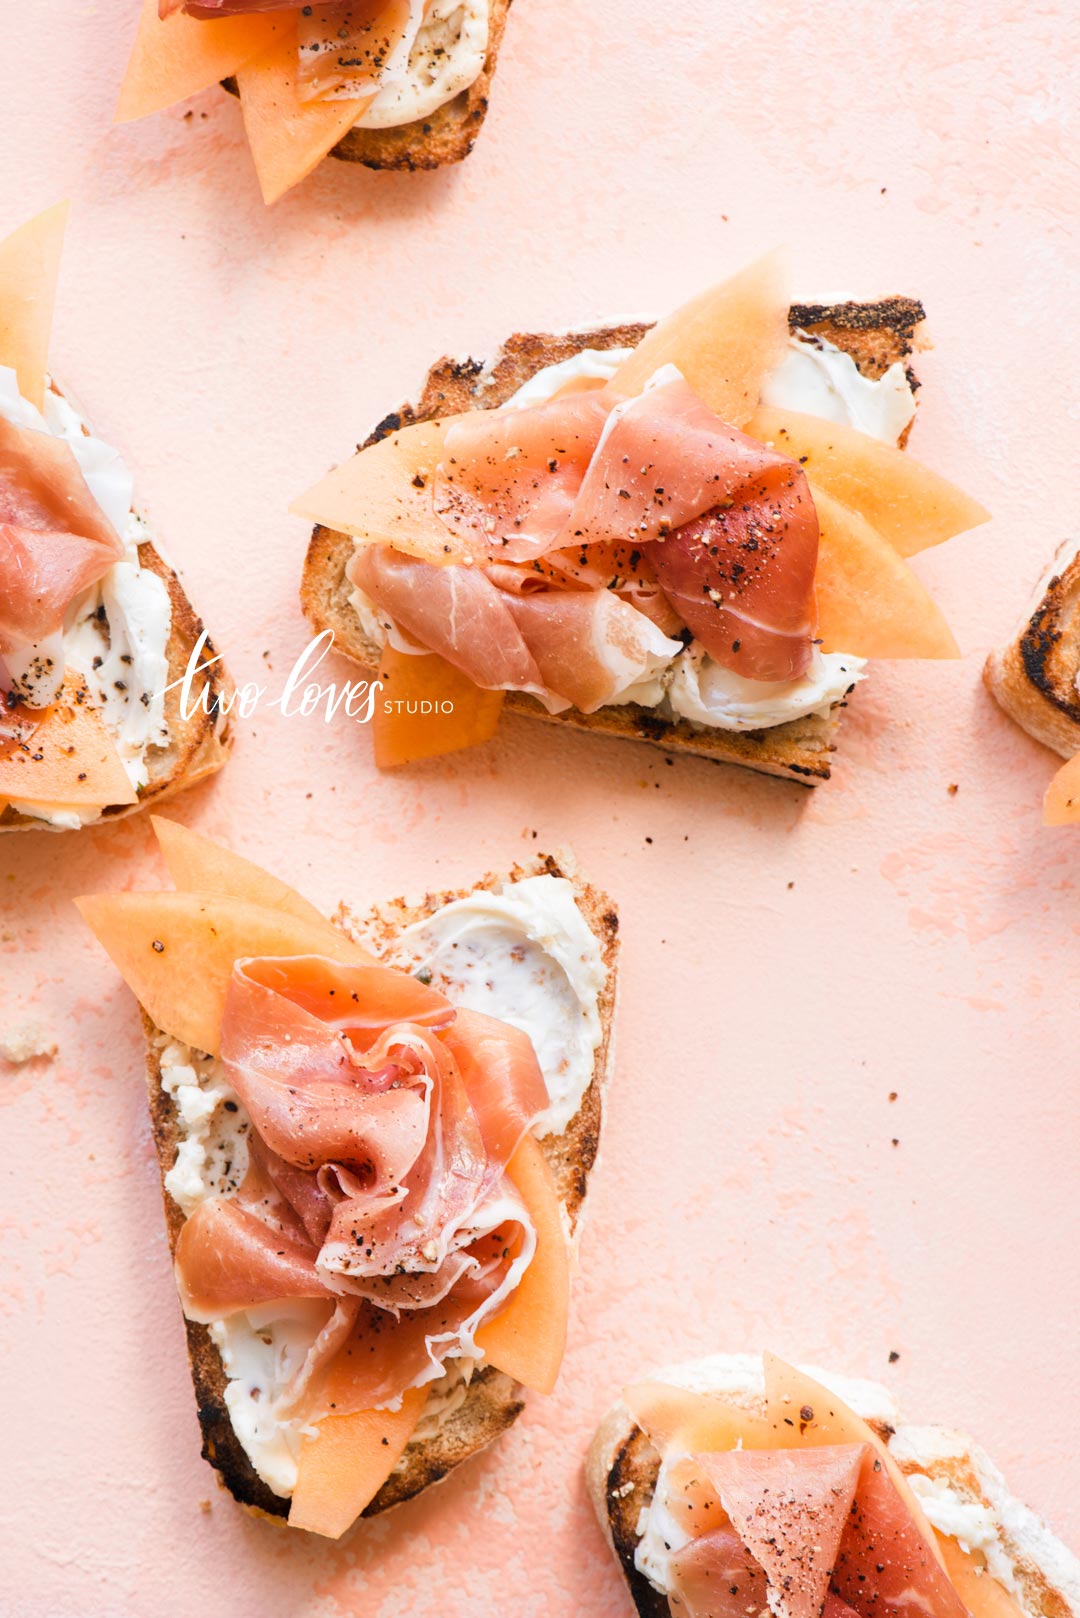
447,56
819,379
525,954
117,634
709,695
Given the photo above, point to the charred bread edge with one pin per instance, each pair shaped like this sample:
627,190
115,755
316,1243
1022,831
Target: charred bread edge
447,136
493,1400
876,335
1034,677
622,1465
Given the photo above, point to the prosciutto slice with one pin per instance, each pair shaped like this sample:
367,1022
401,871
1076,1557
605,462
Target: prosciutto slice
509,480
55,542
382,1122
512,629
712,529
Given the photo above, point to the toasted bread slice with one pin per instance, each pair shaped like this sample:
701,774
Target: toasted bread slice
199,744
493,1401
1041,1575
446,136
876,335
1035,677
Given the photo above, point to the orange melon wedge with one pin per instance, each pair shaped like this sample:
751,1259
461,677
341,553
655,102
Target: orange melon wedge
789,1392
199,865
527,1339
383,496
976,1586
909,505
176,951
69,759
29,269
176,58
1061,805
869,602
288,137
725,341
342,1469
459,714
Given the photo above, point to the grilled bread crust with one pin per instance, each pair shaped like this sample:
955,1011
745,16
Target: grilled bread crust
1034,677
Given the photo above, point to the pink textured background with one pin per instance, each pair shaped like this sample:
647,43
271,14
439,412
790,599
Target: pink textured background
789,958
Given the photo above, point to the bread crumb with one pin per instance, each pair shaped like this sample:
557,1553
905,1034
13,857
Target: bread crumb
26,1043
954,788
205,1506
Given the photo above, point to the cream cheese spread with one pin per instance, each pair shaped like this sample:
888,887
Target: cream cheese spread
447,56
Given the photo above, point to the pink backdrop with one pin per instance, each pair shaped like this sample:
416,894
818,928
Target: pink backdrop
790,959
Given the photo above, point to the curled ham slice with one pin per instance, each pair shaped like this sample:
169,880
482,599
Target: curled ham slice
509,480
55,541
509,629
376,1180
723,528
209,9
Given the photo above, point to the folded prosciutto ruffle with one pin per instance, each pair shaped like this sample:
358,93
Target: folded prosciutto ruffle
723,528
382,1122
517,630
55,541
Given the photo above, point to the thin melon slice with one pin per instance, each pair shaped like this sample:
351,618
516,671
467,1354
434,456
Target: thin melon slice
176,951
725,341
176,58
803,1412
342,1469
29,269
457,713
976,1586
1061,805
288,137
869,602
910,506
69,759
199,865
694,1422
527,1339
383,496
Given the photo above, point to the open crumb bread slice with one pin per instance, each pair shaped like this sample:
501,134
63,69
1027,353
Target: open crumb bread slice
876,335
1034,678
1042,1574
493,1401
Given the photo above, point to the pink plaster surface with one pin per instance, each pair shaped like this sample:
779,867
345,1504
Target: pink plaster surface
790,959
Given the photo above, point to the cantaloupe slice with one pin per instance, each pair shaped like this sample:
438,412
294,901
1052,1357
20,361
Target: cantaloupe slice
527,1339
29,269
176,58
1061,805
977,1588
69,759
449,711
288,137
698,1422
176,951
790,1393
869,602
199,865
383,496
909,505
725,341
342,1469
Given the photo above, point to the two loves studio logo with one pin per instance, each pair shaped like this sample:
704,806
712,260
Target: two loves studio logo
301,694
